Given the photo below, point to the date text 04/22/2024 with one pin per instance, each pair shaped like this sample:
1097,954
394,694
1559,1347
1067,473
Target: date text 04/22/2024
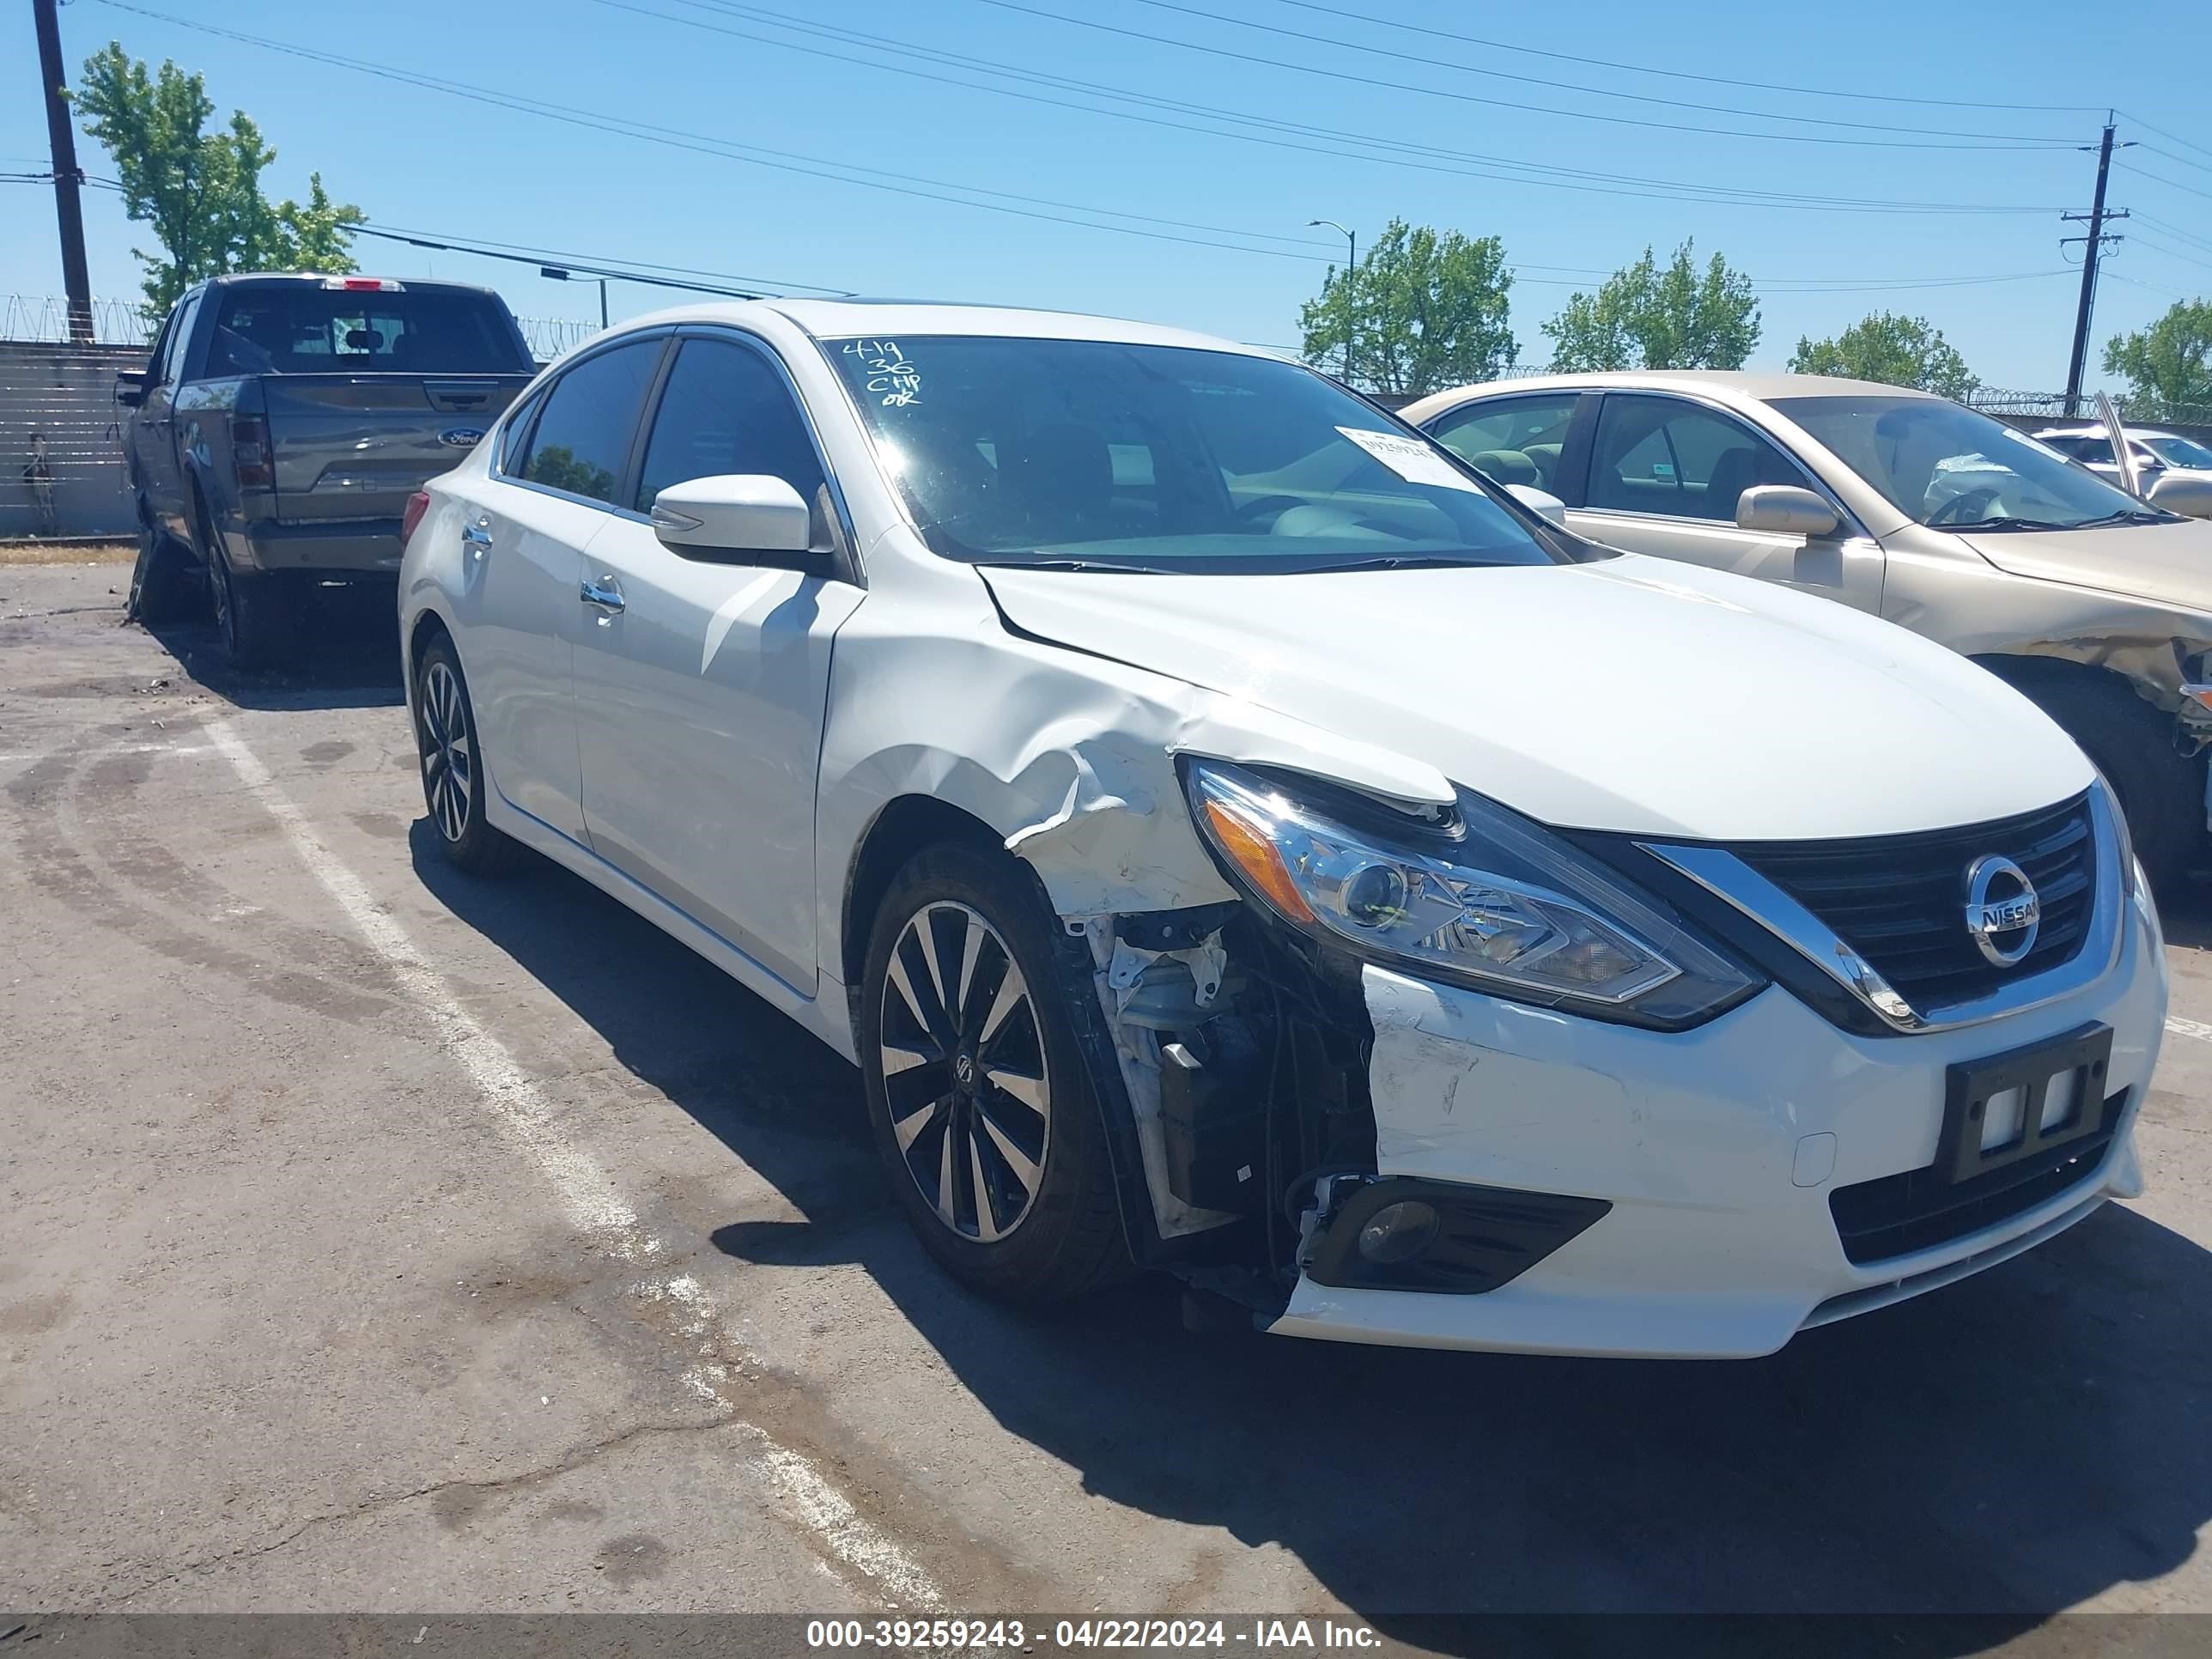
1289,1635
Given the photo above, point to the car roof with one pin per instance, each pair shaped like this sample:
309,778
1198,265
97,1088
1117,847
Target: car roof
838,319
1744,382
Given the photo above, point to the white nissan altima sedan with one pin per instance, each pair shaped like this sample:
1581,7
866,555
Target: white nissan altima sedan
1232,836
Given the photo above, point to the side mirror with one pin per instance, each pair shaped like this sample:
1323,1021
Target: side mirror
1786,510
130,386
1543,504
731,516
2177,493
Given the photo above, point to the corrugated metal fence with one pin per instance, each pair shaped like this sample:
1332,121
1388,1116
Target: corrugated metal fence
61,452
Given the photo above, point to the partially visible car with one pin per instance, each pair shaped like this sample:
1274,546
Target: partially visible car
1904,506
1232,836
2157,455
279,427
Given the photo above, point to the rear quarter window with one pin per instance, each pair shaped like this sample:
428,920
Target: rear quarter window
315,331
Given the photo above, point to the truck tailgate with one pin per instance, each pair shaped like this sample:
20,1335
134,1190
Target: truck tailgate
356,446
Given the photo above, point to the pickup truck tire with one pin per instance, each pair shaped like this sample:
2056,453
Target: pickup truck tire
246,609
979,1100
453,784
164,586
2160,790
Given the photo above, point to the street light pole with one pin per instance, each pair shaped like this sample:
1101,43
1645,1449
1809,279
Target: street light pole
1350,265
562,274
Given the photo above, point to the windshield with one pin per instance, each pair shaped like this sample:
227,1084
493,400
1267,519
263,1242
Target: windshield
291,328
1946,466
1159,458
2179,452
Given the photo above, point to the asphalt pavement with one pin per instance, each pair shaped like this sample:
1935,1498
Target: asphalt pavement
375,1239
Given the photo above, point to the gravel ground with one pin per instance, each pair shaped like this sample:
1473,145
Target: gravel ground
373,1239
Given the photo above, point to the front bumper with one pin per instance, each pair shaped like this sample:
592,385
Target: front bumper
1717,1149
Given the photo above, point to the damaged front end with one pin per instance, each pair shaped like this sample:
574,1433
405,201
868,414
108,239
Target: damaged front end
1244,1034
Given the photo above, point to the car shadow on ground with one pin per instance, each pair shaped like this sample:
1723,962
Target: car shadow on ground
2185,913
343,653
2008,1447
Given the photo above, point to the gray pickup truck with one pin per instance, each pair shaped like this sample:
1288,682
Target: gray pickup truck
279,427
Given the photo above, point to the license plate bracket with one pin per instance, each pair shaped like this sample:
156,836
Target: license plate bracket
2083,1056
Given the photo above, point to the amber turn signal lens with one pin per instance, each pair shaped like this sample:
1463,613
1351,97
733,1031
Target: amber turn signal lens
1256,855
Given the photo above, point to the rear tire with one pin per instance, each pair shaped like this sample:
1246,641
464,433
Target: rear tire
163,583
979,1098
247,608
2160,790
453,782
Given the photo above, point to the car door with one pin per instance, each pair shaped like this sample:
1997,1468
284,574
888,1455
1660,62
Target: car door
154,429
526,524
1665,474
1519,438
701,683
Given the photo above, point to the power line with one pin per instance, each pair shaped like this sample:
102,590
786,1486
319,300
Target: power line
2161,178
725,149
2171,252
1686,75
2021,140
2164,292
555,255
2185,161
1395,87
1401,156
2186,143
2173,230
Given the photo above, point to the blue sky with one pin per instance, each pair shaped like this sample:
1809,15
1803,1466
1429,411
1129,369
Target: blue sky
725,77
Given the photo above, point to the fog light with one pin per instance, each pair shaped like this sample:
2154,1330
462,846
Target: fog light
1398,1232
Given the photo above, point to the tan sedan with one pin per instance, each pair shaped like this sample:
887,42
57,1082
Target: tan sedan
2095,603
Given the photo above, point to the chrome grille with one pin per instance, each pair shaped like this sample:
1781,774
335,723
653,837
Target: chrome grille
1899,901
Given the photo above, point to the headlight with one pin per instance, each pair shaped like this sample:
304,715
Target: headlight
1488,899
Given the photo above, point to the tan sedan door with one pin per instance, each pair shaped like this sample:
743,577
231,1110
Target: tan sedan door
1666,473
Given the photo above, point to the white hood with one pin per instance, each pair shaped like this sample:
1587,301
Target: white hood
1630,694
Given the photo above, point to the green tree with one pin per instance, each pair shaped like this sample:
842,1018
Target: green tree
1893,349
1646,316
1424,310
2168,365
201,189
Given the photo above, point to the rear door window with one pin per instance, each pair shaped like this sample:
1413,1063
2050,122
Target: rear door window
581,441
285,329
1514,439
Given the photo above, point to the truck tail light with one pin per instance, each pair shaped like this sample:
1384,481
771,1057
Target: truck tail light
249,451
417,505
364,284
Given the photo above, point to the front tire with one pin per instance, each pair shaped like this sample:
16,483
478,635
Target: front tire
2160,790
978,1098
163,582
453,782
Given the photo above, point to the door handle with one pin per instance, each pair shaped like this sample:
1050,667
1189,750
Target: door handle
476,536
602,594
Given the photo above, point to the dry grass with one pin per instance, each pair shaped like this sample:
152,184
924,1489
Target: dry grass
68,552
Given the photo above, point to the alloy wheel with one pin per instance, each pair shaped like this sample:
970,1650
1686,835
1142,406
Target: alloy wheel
448,763
964,1071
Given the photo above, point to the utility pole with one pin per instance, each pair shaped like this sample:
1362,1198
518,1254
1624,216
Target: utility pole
2093,245
69,212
